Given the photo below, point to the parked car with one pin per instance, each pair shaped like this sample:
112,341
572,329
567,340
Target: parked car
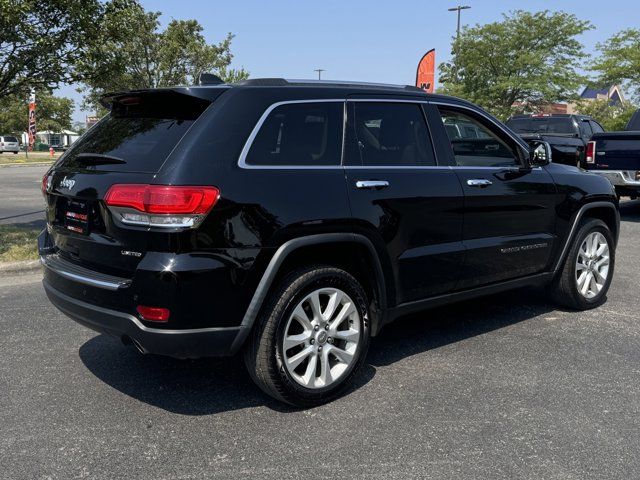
568,135
616,155
292,221
10,144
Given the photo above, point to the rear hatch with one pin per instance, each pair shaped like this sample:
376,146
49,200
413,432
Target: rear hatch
128,146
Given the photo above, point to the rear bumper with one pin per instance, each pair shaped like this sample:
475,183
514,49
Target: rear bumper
620,178
189,343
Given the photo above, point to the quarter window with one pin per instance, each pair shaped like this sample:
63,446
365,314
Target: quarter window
585,129
303,134
595,126
392,134
474,144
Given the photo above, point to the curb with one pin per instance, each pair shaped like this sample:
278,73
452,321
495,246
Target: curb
26,164
24,266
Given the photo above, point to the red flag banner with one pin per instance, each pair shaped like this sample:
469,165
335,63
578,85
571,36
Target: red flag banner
425,75
32,120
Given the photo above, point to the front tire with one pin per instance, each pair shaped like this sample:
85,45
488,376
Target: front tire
311,339
587,271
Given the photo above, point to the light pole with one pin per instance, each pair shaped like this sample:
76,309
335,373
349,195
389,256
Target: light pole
319,70
458,9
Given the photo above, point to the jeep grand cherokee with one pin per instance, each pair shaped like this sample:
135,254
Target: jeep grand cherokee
291,221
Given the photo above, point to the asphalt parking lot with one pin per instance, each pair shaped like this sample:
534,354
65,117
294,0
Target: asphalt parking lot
20,197
503,387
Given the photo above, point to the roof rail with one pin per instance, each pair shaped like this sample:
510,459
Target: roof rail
281,82
264,82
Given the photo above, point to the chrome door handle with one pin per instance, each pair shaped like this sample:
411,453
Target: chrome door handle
479,182
372,184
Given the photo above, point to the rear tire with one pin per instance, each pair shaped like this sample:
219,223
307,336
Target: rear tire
588,268
311,339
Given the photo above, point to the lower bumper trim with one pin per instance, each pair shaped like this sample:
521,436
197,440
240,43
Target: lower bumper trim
188,343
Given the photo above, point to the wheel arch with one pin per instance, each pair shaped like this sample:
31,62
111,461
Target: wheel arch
299,251
605,211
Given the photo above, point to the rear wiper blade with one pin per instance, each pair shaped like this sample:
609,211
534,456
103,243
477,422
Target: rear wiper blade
98,159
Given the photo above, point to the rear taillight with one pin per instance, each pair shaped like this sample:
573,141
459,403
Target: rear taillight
45,183
590,155
165,206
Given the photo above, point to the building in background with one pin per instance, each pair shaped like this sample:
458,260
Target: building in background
91,121
58,140
612,93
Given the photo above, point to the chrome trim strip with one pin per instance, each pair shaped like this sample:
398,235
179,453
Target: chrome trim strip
242,161
398,167
112,285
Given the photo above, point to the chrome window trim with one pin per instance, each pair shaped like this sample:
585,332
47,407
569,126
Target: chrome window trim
242,161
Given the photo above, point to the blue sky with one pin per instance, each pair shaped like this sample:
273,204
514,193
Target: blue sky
357,39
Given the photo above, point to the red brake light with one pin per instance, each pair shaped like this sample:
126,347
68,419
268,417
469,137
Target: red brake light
45,184
163,199
153,314
591,152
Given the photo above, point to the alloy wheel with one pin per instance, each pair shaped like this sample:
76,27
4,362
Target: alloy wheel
592,265
321,338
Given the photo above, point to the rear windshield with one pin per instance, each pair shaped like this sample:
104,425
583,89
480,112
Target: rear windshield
542,125
138,135
10,139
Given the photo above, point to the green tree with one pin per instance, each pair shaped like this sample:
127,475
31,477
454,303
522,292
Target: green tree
132,52
40,42
611,117
619,62
527,57
52,113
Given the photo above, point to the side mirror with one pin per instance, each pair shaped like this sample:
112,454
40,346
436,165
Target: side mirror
539,153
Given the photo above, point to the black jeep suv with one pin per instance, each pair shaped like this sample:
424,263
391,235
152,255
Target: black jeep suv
293,220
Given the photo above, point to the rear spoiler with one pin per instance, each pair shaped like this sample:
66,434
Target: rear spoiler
207,93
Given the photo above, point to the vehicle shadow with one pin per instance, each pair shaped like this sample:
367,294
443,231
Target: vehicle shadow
209,386
441,326
188,387
630,211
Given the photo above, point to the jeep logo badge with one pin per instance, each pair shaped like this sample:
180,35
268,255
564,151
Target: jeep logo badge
67,183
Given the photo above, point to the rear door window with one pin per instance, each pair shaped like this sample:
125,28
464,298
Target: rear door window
10,139
392,134
299,134
138,135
